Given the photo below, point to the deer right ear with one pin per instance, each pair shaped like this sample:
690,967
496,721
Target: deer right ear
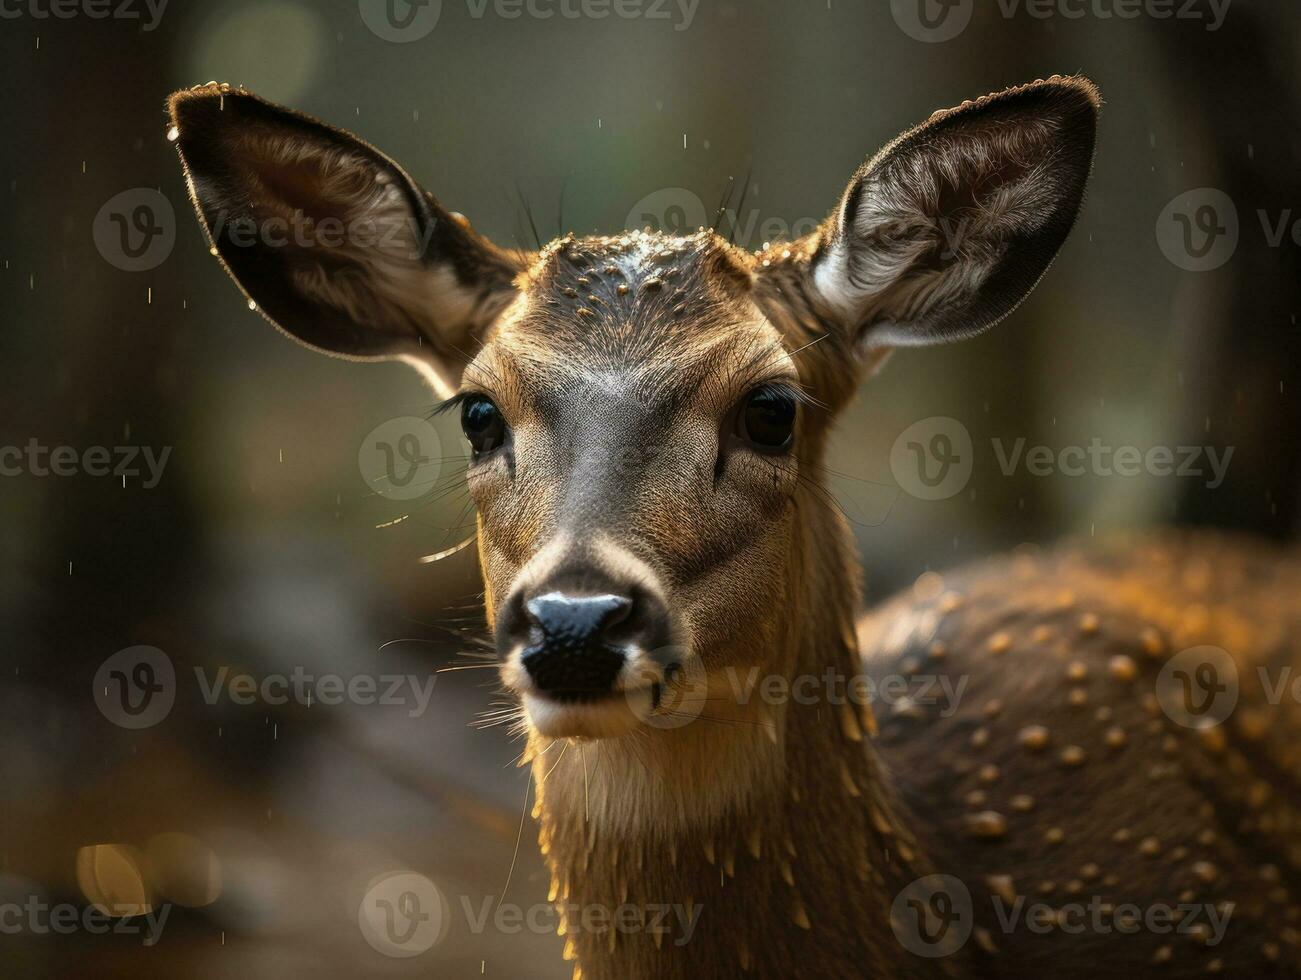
332,241
946,230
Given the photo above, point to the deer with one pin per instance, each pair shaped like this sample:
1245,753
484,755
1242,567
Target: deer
647,417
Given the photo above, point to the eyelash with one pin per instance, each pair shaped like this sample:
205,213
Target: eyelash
442,408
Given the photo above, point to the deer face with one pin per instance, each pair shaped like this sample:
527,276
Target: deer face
634,425
646,415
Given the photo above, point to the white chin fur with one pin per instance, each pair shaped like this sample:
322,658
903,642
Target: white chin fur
607,718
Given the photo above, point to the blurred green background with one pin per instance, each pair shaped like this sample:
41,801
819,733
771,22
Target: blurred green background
261,547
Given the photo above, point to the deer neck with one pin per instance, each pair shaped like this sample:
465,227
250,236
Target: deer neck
760,820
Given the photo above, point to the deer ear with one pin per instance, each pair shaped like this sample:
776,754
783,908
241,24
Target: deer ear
332,241
946,230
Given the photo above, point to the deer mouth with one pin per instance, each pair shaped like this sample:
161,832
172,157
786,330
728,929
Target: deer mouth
610,715
647,695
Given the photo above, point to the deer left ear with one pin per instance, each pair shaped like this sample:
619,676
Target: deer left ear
946,230
332,241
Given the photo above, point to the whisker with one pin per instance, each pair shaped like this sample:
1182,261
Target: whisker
528,786
582,753
740,205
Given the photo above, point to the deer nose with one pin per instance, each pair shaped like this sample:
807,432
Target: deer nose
573,652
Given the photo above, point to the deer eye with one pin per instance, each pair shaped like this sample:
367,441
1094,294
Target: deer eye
482,424
767,419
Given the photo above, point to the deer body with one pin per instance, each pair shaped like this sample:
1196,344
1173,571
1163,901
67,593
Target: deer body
1063,783
648,418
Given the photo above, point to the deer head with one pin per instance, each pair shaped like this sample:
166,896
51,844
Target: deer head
647,415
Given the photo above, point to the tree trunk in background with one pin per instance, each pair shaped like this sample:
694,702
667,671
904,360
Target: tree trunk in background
1255,356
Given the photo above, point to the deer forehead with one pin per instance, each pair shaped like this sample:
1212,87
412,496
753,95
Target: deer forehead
631,324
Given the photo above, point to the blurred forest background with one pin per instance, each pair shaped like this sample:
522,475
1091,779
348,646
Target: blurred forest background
262,549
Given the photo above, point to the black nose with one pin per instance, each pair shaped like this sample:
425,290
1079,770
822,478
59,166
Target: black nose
573,651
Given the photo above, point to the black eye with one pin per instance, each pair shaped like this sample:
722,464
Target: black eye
482,424
767,419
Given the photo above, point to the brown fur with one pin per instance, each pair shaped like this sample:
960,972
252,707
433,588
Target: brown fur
1147,812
